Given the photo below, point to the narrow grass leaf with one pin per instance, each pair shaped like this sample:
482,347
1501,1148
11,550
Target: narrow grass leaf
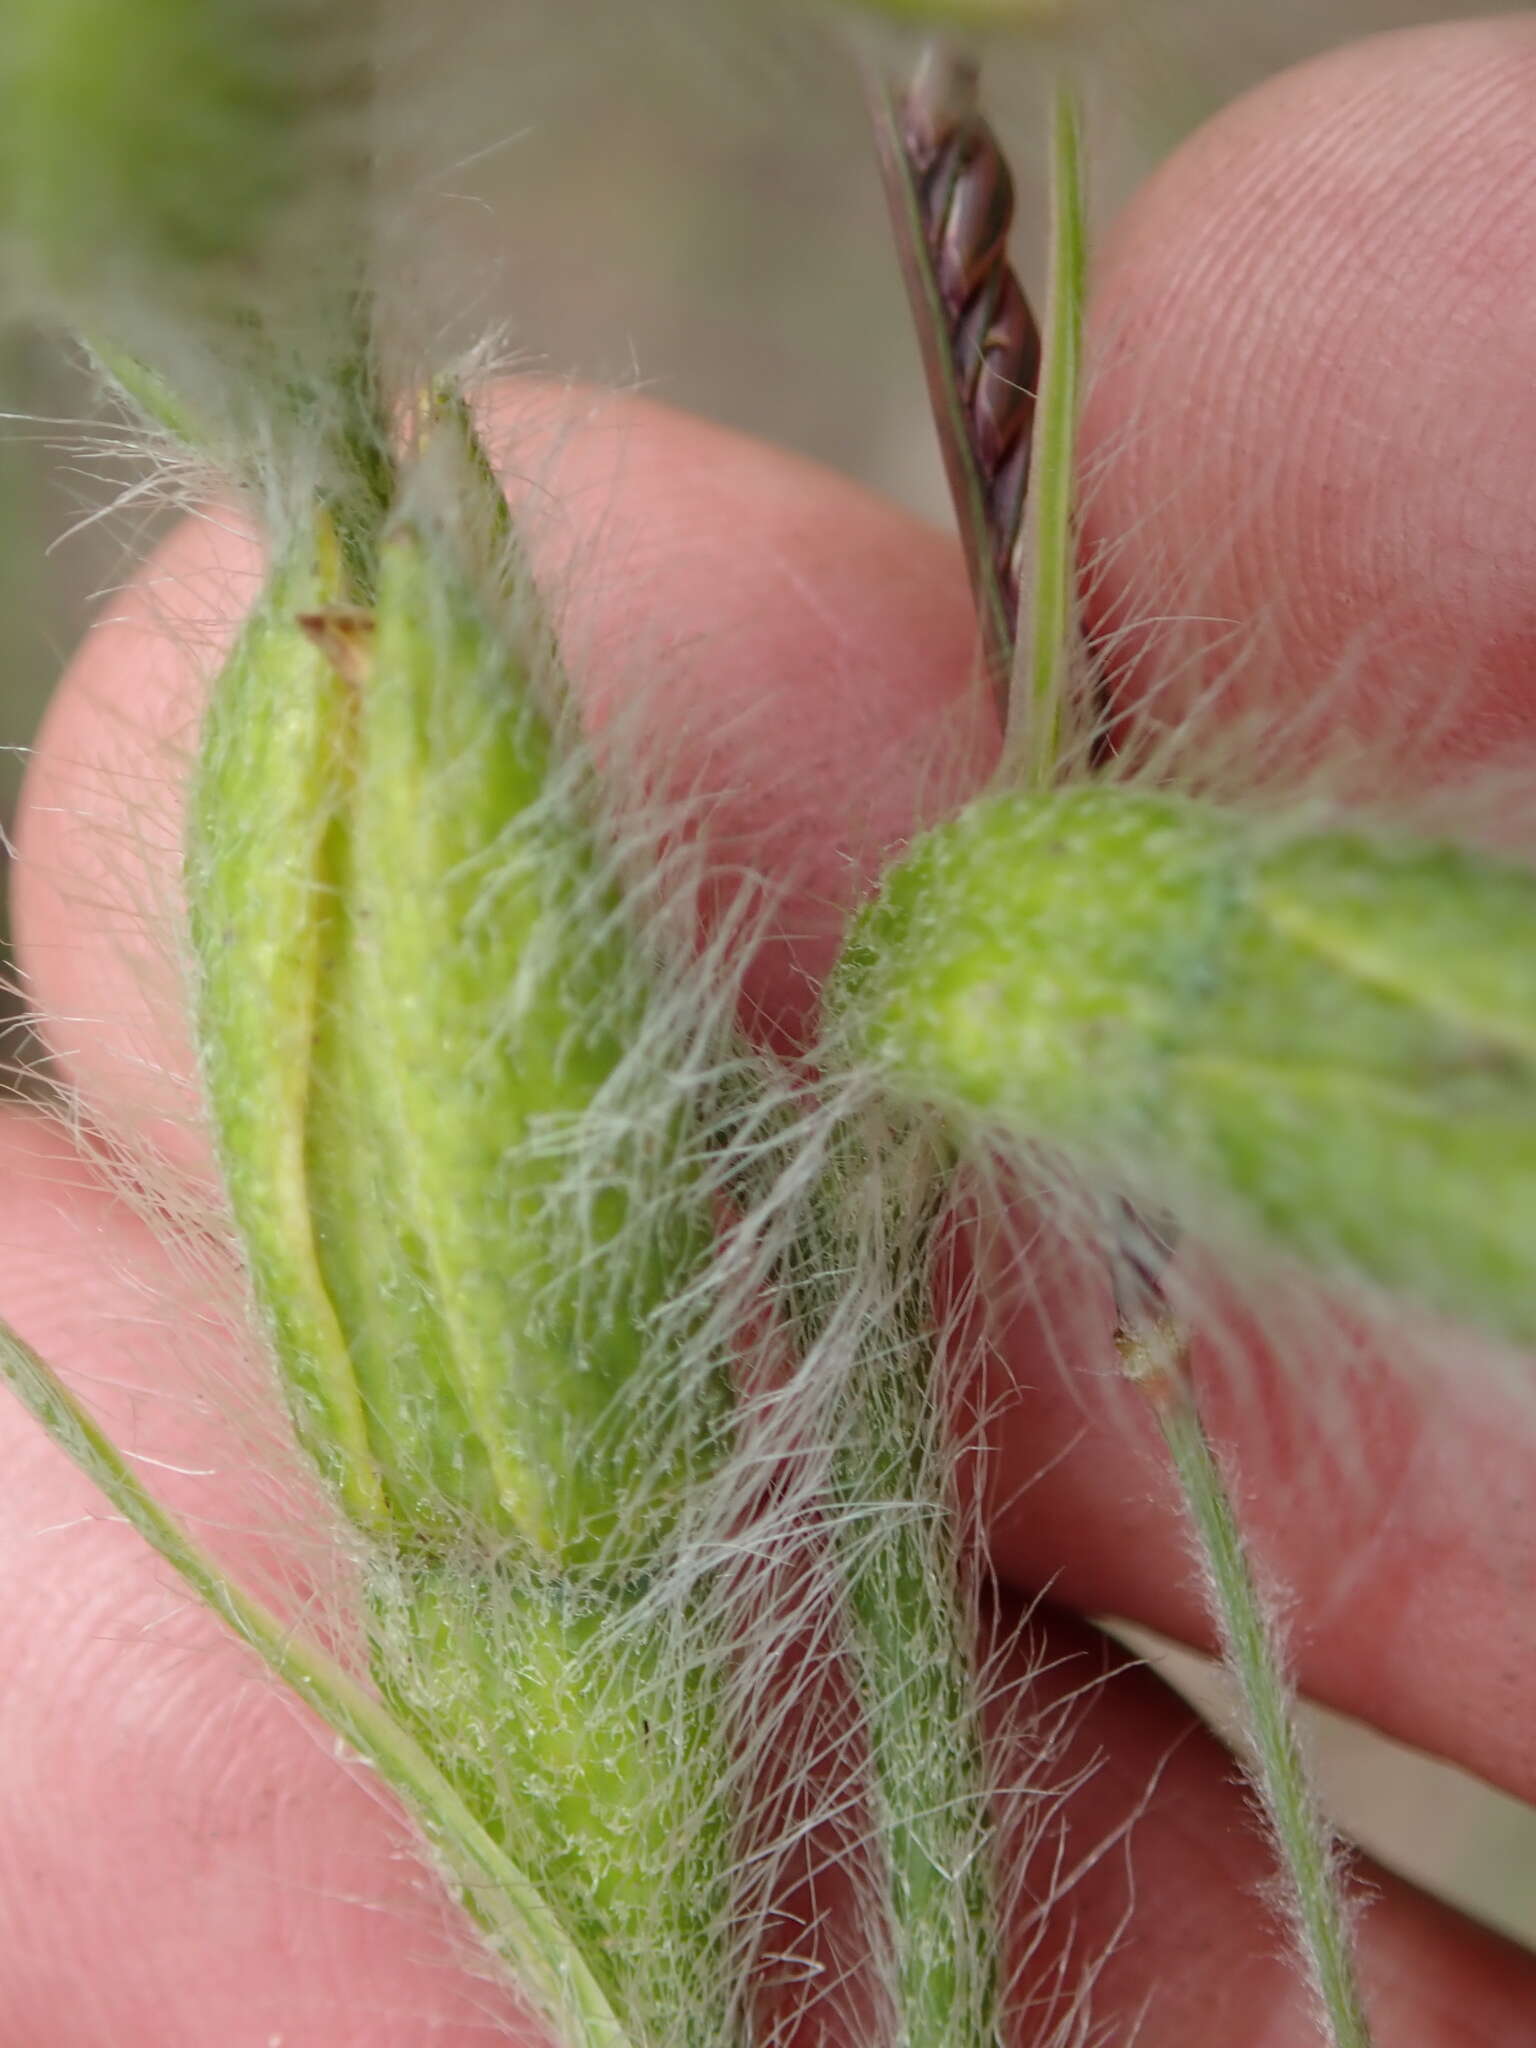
1047,625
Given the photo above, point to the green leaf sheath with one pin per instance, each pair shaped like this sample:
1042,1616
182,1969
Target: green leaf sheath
456,1146
913,1637
535,1134
1322,1038
455,1166
266,825
581,1735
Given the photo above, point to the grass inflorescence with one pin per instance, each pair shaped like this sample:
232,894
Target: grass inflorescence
951,197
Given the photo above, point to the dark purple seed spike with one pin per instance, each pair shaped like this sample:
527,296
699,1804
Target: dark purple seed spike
966,199
1005,513
1003,405
968,345
973,236
940,100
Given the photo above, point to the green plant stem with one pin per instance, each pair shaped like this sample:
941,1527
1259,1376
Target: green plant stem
526,1933
1154,1359
360,490
1039,697
914,1642
902,1578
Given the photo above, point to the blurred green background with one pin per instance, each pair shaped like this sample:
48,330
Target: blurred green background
679,195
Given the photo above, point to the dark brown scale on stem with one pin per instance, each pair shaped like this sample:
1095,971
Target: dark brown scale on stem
959,188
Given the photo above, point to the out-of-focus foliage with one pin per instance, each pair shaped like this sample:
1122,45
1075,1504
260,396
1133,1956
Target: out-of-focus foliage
189,158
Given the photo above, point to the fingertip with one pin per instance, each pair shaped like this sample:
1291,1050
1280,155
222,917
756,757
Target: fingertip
95,890
1310,444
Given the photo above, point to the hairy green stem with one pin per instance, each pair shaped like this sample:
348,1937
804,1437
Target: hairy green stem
914,1644
360,482
1154,1360
904,1582
525,1931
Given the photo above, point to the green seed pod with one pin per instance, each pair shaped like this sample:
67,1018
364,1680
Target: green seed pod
1321,1038
452,1138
